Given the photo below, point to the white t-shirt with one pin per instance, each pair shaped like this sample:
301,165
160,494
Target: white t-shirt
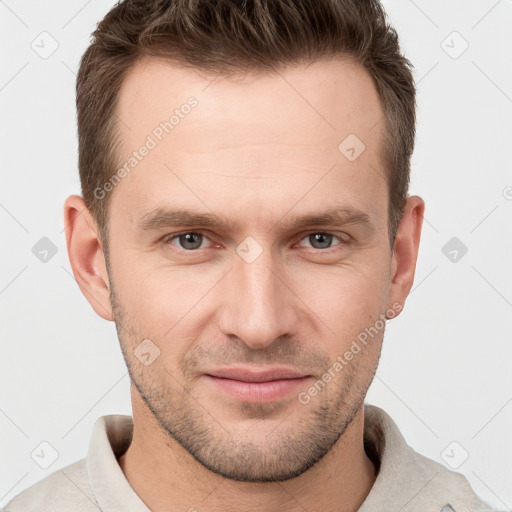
406,481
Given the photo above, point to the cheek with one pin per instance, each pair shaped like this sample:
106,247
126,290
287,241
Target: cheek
137,291
346,300
161,301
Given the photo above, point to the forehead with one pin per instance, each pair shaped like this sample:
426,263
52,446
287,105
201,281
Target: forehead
329,97
265,135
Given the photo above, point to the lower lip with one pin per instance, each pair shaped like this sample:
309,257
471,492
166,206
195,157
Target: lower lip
258,391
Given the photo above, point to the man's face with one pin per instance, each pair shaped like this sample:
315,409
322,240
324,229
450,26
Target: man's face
259,153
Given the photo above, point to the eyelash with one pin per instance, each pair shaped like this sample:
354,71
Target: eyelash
169,238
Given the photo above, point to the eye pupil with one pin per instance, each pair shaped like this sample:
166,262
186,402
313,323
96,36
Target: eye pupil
190,240
323,239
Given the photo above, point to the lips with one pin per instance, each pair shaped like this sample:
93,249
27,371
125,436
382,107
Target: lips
250,385
246,375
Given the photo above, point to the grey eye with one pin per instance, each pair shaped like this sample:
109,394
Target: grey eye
320,240
190,241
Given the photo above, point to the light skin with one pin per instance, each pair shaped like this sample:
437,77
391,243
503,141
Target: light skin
260,151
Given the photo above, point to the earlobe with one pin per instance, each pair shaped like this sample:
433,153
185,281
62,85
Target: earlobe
405,251
86,256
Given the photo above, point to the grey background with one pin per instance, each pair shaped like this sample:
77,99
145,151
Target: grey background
445,374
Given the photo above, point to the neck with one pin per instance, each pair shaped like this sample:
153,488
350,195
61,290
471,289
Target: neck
166,477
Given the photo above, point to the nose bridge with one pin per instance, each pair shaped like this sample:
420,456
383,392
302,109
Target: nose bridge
258,307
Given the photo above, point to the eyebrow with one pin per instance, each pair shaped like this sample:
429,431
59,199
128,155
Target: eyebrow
160,218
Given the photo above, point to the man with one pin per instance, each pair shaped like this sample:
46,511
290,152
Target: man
246,223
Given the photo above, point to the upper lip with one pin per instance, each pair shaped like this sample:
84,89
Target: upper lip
250,375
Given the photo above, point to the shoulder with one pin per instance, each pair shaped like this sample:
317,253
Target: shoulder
408,479
447,490
65,489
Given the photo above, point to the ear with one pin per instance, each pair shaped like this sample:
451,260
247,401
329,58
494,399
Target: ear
86,256
405,251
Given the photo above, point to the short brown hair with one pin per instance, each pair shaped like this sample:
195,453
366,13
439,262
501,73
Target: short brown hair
230,36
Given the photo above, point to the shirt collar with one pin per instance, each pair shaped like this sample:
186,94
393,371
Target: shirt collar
111,437
408,481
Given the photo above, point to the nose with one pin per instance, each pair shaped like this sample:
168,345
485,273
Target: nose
258,305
